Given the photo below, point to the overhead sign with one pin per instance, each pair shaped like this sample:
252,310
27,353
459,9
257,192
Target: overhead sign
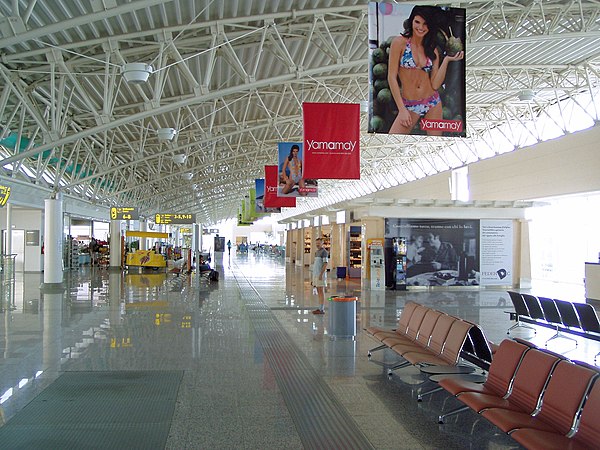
168,219
331,141
124,213
4,194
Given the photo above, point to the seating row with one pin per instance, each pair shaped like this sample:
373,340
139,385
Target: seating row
425,336
578,319
542,399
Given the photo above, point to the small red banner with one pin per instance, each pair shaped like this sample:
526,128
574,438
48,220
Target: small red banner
331,141
271,199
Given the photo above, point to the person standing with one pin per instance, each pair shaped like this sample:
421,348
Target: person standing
319,274
229,247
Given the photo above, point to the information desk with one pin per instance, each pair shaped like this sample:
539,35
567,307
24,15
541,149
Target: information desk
592,280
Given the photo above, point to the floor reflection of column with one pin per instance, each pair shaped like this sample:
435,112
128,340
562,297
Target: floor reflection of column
114,298
52,336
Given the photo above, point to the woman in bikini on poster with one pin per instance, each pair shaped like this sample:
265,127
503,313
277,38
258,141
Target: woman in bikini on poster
294,164
415,73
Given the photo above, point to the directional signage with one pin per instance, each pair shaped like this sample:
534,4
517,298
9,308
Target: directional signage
124,213
4,194
168,219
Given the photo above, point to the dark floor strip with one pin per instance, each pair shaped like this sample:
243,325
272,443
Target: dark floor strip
321,420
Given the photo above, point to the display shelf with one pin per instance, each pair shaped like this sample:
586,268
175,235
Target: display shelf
354,252
307,243
326,242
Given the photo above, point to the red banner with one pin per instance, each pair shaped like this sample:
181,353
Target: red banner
271,199
331,141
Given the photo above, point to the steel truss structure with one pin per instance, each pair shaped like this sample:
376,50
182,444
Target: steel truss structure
230,77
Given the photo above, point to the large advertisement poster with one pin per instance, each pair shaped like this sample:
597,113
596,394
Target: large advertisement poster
496,252
417,69
292,182
260,208
331,140
438,252
271,199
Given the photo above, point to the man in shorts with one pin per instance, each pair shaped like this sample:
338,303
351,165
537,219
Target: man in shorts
319,274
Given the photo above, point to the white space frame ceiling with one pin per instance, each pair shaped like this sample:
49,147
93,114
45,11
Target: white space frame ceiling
231,76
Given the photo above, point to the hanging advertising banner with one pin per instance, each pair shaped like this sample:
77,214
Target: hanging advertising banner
271,199
417,69
260,208
438,252
496,252
331,140
292,182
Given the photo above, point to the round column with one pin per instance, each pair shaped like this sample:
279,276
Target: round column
53,241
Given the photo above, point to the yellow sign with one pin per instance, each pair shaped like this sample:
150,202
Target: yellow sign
168,218
124,214
146,234
4,194
145,258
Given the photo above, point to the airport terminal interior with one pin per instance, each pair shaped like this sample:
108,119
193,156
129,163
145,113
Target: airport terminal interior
160,360
116,115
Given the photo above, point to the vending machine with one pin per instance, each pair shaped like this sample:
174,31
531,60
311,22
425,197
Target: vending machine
376,264
400,263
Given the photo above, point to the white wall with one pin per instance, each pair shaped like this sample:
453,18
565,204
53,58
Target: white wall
568,165
27,219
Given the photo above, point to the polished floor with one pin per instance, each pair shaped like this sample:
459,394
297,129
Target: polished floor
250,366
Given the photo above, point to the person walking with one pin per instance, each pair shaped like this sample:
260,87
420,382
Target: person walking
319,274
229,247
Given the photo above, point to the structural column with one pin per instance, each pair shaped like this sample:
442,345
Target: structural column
196,246
53,241
115,245
8,249
143,241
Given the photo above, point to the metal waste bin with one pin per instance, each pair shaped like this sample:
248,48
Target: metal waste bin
342,317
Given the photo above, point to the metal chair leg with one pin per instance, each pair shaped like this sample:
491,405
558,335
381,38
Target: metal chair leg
451,413
381,347
519,324
431,391
398,366
561,335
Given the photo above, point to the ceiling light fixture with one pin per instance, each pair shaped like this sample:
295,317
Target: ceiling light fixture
136,73
526,95
166,134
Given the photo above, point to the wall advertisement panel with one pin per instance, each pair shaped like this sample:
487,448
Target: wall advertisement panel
496,252
451,252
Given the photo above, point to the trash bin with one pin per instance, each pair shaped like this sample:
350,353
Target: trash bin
342,317
341,272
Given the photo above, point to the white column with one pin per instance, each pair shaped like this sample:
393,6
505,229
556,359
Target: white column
115,244
195,244
53,240
143,241
8,249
